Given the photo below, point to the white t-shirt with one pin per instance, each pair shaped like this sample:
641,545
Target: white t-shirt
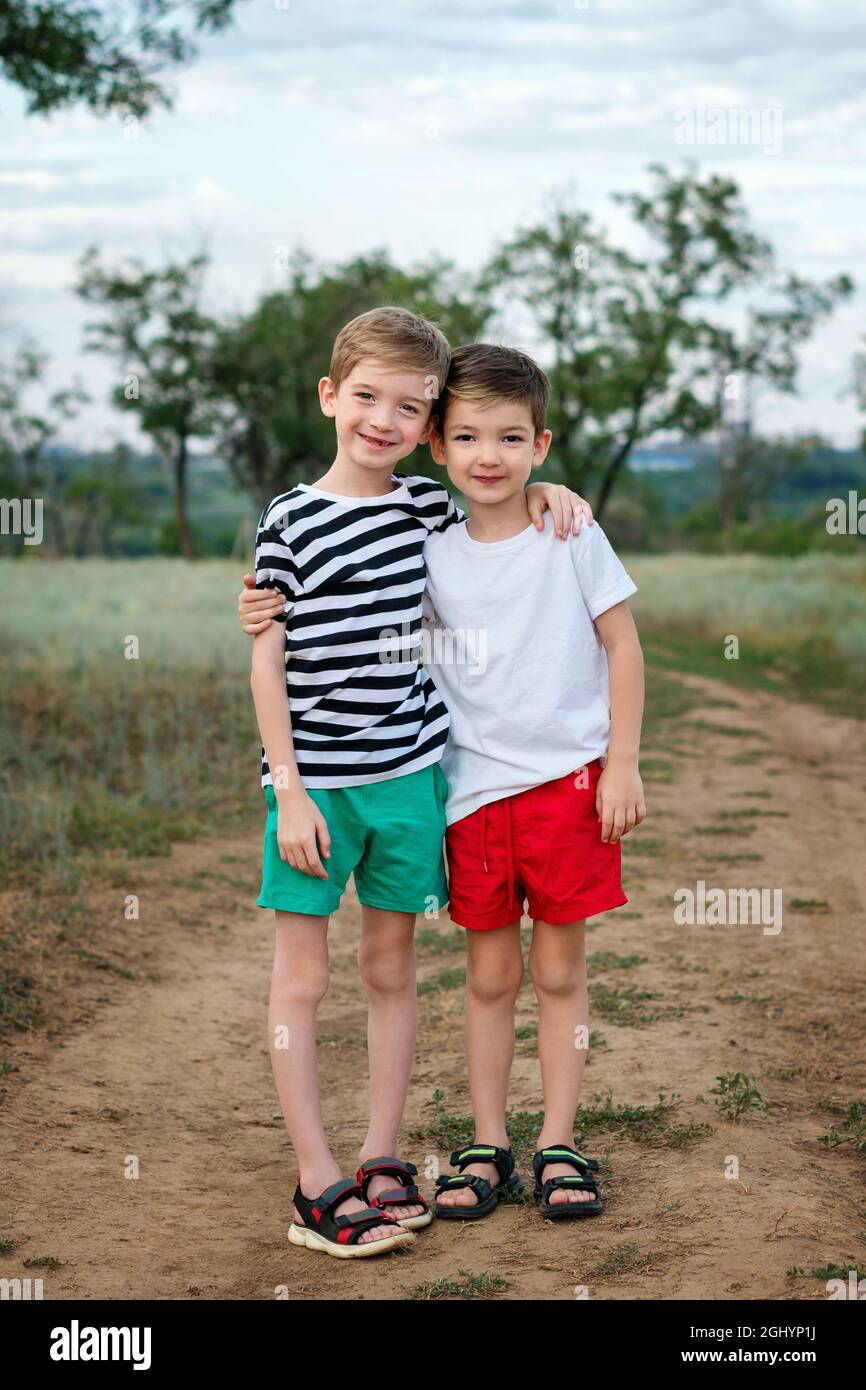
514,652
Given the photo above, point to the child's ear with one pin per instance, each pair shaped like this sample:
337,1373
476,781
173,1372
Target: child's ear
437,444
328,396
430,428
540,448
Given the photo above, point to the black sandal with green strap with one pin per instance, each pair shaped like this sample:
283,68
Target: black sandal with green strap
562,1153
488,1196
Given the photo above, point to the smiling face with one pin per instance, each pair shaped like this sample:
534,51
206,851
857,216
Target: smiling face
489,451
381,414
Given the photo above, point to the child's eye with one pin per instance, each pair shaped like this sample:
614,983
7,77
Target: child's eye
413,410
512,439
364,395
463,438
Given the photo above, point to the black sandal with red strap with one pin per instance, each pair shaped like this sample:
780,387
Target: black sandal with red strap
488,1196
340,1235
556,1211
406,1194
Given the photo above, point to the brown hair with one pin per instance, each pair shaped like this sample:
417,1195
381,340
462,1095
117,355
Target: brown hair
485,374
396,338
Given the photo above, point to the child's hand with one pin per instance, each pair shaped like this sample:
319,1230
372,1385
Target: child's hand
568,509
256,607
619,800
299,823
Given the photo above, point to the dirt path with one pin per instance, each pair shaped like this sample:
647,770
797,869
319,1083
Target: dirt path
172,1067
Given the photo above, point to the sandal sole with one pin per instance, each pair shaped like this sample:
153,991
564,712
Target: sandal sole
301,1235
569,1215
567,1211
415,1223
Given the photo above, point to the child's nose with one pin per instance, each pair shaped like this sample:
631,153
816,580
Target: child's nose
382,418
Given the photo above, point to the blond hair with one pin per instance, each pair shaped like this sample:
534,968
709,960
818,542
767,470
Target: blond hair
396,338
486,374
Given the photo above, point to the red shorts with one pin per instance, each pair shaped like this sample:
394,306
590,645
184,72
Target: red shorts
543,844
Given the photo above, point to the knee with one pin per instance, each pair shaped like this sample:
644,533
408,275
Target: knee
304,985
387,972
495,984
554,978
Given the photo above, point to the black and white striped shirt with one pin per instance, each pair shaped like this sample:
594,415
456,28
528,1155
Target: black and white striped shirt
352,570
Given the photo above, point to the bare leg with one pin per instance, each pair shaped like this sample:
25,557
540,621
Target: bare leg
494,976
387,962
557,964
299,982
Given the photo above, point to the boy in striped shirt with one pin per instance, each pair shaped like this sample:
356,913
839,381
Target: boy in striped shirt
353,730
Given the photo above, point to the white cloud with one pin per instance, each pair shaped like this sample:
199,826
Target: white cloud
438,129
30,270
209,191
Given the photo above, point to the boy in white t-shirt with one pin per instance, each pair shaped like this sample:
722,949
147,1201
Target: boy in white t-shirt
535,652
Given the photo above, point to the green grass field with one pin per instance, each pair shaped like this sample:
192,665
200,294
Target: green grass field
100,751
801,623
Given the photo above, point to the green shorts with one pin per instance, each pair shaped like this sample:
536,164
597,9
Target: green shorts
389,834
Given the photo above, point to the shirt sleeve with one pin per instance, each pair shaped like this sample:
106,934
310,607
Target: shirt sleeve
602,578
447,512
275,567
452,515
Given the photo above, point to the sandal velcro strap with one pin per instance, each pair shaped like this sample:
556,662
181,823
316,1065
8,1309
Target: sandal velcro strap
561,1153
480,1186
568,1184
393,1167
588,1184
502,1159
476,1153
351,1227
406,1194
397,1196
367,1217
334,1195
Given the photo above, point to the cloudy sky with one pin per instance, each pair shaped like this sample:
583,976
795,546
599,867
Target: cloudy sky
438,128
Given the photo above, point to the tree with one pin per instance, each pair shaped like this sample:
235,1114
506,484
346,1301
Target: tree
764,355
156,327
633,351
266,364
96,498
64,51
25,434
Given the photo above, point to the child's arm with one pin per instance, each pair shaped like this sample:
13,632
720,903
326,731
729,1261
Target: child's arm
299,820
619,796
